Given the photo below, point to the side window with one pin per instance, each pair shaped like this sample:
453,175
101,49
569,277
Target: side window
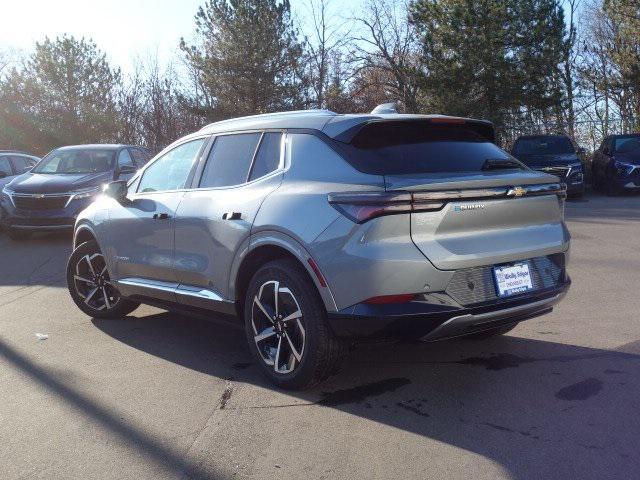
229,160
5,166
139,156
21,164
171,170
268,157
124,158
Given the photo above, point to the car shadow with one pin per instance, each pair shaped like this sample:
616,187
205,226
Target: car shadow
539,409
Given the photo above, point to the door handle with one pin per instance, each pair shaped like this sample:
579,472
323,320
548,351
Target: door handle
160,216
231,216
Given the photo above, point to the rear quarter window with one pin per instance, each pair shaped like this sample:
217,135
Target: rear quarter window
417,148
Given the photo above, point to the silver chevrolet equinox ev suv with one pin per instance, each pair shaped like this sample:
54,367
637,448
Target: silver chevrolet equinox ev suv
319,230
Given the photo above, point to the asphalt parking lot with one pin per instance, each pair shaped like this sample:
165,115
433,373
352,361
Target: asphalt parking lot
161,396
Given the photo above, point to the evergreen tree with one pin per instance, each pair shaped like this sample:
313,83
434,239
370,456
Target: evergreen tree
247,59
63,94
495,59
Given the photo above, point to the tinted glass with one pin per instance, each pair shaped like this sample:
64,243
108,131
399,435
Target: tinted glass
545,145
268,156
229,160
627,144
171,171
140,157
124,159
5,166
22,164
410,148
72,161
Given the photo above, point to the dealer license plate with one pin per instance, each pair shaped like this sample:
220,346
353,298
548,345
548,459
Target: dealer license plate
513,279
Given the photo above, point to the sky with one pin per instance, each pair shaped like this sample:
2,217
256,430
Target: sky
123,29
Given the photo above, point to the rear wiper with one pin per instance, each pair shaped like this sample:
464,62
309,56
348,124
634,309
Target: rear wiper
500,163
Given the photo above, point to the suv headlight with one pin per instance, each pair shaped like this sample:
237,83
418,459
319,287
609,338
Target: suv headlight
623,168
575,175
85,193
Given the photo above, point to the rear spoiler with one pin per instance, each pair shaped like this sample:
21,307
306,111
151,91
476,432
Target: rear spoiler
483,128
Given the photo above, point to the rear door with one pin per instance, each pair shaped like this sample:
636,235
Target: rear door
141,229
215,217
473,203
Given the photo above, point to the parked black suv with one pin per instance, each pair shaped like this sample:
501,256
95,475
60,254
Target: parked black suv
554,154
616,164
62,184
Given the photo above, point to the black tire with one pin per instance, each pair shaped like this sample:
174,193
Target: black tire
492,333
114,306
17,234
322,352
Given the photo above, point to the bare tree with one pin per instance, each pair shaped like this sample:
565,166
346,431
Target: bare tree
388,43
329,36
569,61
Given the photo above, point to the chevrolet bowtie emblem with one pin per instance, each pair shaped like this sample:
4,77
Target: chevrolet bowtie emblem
38,195
516,192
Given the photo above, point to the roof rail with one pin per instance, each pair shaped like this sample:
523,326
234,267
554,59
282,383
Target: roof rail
385,108
269,115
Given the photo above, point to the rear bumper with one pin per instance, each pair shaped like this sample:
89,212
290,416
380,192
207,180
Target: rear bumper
437,316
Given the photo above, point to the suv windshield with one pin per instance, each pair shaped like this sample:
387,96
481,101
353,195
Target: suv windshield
547,145
76,161
397,148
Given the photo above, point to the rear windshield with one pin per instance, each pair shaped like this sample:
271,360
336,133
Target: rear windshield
410,148
543,146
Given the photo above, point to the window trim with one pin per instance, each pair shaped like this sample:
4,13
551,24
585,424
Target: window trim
138,177
205,156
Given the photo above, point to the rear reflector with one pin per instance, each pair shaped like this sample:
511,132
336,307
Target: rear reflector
362,206
387,299
316,270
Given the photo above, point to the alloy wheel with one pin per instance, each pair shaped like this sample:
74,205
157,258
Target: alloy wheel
92,283
278,327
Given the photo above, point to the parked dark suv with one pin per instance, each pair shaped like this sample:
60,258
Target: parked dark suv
554,154
62,184
616,164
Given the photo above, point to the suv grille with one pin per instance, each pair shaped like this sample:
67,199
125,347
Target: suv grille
477,285
33,202
560,172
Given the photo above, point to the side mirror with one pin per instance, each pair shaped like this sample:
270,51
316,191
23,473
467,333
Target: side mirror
117,190
581,151
3,174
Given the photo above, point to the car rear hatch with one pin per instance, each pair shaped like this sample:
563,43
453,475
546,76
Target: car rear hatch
471,203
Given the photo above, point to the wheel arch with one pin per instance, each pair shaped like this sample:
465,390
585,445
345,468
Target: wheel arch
268,247
83,233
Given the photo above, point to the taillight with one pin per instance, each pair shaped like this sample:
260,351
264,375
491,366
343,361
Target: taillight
360,207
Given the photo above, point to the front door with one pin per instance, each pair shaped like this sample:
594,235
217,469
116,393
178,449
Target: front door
141,228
